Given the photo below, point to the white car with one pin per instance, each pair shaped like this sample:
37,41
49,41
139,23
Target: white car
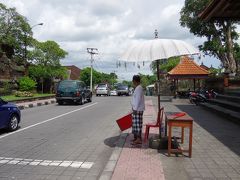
103,89
113,93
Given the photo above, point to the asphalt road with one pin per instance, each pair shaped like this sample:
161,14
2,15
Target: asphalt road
62,142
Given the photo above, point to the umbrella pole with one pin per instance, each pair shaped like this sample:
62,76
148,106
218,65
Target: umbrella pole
158,79
159,105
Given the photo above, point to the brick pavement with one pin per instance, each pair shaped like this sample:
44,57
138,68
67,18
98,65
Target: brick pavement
140,162
216,146
216,150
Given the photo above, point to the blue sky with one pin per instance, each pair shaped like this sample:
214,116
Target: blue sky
109,25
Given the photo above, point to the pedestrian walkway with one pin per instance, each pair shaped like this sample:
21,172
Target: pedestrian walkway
216,149
140,162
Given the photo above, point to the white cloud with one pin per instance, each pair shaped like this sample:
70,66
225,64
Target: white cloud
109,25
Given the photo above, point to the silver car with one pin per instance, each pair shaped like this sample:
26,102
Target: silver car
122,90
103,89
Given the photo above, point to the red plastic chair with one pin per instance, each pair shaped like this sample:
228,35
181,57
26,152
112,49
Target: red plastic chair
155,125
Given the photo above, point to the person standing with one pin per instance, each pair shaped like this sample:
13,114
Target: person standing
138,107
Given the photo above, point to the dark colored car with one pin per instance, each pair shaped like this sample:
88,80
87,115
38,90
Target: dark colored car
122,90
72,91
10,115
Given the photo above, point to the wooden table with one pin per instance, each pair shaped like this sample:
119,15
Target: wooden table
184,122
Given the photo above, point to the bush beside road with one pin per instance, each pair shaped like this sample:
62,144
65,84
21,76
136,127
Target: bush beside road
13,98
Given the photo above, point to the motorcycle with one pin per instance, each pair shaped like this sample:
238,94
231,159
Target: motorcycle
202,96
196,98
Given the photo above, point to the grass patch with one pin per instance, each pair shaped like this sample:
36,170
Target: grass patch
13,97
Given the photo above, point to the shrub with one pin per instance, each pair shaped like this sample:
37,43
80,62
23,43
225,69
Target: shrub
26,84
23,94
6,88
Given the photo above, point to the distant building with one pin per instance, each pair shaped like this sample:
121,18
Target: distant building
73,72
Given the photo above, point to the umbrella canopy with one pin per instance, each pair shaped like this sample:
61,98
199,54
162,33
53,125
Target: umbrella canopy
158,49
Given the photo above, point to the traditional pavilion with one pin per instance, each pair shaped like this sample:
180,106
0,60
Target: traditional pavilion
187,69
204,67
221,9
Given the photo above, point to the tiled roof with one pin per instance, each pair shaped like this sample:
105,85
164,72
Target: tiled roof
75,72
204,67
188,67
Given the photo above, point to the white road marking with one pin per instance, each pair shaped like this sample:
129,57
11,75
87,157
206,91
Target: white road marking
4,161
48,120
13,162
65,163
76,164
87,165
23,163
32,162
55,163
45,163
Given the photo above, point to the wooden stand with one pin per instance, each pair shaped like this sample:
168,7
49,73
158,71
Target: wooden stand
183,122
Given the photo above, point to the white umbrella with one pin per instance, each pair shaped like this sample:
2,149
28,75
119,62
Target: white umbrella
157,49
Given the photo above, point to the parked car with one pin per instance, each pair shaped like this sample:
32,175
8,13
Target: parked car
113,93
73,91
123,90
103,89
10,115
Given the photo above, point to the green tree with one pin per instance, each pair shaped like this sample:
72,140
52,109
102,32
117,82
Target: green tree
128,83
47,53
220,34
46,57
86,75
165,66
15,32
147,79
98,77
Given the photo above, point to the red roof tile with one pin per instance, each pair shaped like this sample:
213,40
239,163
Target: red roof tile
188,67
74,72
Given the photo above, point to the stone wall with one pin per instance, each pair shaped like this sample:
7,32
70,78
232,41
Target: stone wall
9,70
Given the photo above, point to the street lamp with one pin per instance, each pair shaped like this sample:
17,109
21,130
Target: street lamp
25,48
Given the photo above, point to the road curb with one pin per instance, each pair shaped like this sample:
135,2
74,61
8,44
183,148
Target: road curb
36,104
111,164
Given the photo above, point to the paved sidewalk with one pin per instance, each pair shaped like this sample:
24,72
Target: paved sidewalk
140,162
216,149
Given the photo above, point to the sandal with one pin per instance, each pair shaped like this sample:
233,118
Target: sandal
132,140
136,142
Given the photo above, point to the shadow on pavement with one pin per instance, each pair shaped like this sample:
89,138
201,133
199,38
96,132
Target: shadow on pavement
222,129
6,131
3,131
112,141
123,141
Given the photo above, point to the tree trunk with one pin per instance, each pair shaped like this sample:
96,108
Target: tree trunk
232,66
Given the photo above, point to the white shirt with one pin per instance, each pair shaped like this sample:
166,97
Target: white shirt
138,103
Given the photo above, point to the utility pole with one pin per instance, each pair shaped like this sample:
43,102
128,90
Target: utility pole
92,51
